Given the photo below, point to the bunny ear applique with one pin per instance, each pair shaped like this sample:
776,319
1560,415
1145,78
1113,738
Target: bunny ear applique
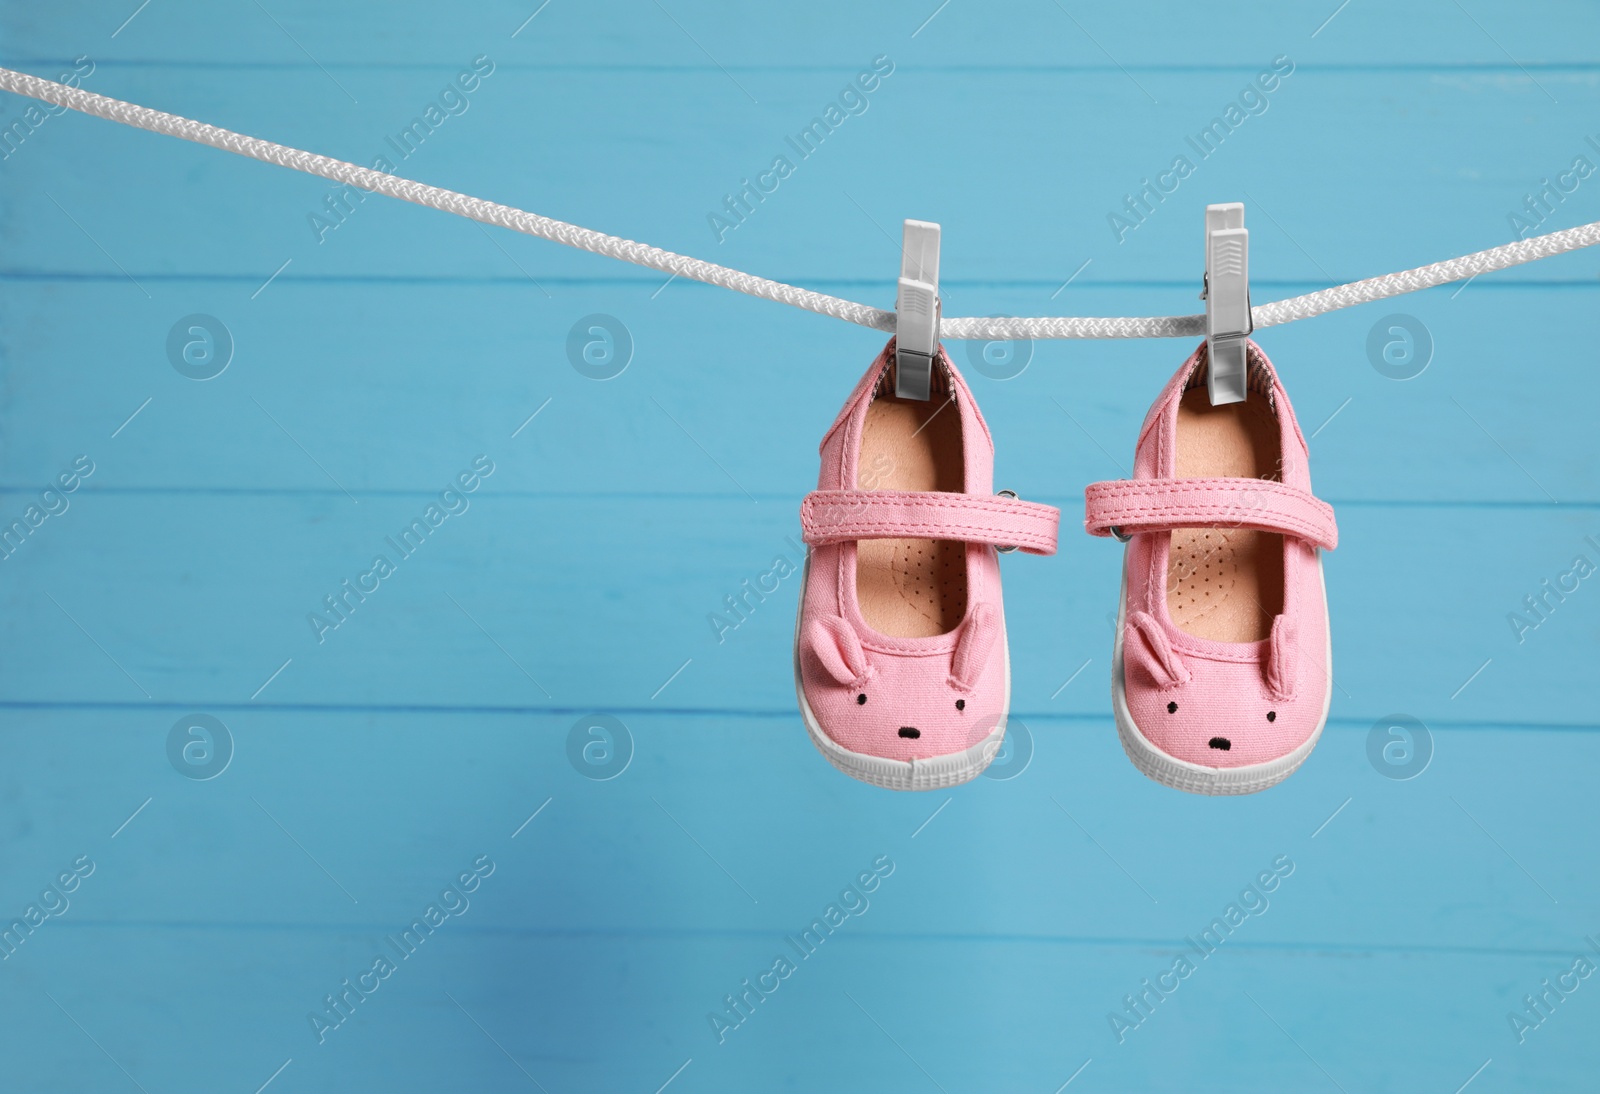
1157,656
837,649
973,647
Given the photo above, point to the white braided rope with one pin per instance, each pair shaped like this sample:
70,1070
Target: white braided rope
985,328
486,212
1060,326
1426,277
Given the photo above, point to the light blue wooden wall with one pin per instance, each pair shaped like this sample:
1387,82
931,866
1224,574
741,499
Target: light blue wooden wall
377,765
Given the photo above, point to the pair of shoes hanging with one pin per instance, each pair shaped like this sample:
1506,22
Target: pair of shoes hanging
1221,667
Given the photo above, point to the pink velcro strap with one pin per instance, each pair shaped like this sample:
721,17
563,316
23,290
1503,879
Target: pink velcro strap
1126,506
838,516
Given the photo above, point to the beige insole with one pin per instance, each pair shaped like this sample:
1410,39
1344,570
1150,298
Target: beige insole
911,588
1225,584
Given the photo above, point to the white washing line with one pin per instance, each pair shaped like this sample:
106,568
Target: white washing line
488,212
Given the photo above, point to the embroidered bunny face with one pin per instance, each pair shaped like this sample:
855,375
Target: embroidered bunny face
886,705
1268,709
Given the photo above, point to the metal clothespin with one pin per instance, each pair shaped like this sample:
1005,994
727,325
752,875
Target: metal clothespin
917,311
1227,297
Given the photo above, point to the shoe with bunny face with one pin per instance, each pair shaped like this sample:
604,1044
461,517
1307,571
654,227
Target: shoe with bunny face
901,663
1222,667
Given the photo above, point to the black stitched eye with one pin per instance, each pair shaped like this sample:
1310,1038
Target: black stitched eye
1172,708
861,700
961,704
1272,716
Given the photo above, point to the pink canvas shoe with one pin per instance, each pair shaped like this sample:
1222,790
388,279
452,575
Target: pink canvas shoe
1222,667
900,644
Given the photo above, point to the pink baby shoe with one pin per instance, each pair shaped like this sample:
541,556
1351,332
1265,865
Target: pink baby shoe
1222,667
900,644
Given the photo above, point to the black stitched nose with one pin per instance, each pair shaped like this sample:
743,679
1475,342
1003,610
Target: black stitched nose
910,731
1221,743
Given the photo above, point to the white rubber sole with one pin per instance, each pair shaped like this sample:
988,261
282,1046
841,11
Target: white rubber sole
934,773
1197,778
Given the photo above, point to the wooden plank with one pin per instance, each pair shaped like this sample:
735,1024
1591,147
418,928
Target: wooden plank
664,829
653,156
410,1036
1055,936
628,33
395,387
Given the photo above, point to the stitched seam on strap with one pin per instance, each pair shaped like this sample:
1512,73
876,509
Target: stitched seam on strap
1149,514
839,516
834,527
1137,487
854,500
1128,504
1270,491
1152,520
903,530
1249,517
